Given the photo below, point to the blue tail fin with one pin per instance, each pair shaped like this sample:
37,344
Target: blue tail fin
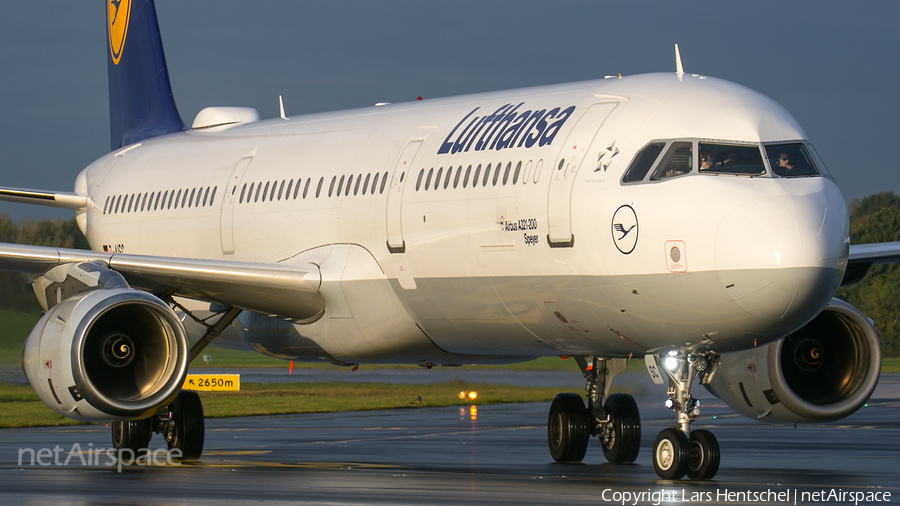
140,96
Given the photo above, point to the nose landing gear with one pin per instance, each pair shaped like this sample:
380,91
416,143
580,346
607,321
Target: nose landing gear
678,451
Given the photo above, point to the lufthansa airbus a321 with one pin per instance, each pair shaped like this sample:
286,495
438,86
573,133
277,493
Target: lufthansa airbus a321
674,217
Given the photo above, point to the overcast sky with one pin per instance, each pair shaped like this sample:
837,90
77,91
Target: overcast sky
833,65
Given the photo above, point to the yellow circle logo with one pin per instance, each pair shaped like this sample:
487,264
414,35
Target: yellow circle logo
117,14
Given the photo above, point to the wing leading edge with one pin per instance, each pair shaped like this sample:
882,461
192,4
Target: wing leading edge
864,256
272,289
65,200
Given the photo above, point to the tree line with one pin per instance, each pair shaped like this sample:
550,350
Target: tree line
15,289
874,218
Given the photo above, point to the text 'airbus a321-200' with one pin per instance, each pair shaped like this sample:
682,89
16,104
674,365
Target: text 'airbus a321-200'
487,228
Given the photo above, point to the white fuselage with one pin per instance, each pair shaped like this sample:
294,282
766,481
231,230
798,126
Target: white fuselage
467,270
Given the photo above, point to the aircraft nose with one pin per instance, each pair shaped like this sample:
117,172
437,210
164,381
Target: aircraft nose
780,257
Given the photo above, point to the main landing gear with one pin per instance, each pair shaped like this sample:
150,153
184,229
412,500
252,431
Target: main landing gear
181,423
617,422
678,450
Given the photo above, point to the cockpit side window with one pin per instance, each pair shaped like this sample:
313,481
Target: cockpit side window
790,160
819,163
730,159
679,160
642,162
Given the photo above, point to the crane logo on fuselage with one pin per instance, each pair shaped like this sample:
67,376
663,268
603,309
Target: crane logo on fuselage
507,127
117,14
625,229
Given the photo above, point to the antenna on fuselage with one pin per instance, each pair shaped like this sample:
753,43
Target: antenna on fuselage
679,68
281,108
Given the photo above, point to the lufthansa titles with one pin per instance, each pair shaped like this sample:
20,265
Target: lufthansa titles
507,127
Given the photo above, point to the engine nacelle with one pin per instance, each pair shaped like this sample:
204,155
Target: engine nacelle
825,371
107,354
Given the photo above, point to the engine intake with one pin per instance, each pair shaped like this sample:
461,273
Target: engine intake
822,372
107,354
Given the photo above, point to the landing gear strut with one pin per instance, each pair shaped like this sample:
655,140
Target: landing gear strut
678,451
617,422
181,423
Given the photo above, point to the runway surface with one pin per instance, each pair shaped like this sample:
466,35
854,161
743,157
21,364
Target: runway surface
466,455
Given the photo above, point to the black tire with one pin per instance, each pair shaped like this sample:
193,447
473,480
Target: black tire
568,428
187,412
704,455
671,454
132,435
622,442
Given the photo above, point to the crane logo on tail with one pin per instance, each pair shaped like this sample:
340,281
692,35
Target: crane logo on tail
117,14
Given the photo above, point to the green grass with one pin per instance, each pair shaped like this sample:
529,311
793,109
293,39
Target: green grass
283,398
14,329
233,358
890,365
21,407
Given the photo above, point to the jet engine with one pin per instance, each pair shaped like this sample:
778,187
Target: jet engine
822,372
106,353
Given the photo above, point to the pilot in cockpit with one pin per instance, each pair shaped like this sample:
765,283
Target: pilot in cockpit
707,161
784,166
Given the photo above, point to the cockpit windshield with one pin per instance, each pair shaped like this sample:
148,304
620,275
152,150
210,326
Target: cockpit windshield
730,159
790,159
663,160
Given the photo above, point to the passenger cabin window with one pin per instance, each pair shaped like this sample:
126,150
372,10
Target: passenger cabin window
642,162
730,159
679,160
790,160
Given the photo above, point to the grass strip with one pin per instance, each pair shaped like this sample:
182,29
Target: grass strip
284,398
21,407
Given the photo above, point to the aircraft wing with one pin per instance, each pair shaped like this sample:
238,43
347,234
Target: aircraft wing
864,256
65,200
273,289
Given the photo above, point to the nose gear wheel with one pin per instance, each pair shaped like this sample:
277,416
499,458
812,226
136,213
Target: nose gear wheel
678,451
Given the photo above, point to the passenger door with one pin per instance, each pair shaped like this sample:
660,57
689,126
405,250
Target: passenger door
395,242
571,157
232,193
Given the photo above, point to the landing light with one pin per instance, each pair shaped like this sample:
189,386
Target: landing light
671,363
